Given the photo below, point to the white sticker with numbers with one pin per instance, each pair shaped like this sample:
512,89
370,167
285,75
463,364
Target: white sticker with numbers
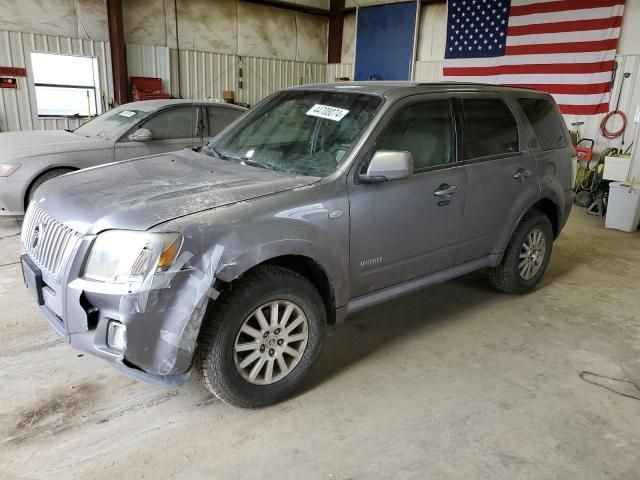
330,113
127,113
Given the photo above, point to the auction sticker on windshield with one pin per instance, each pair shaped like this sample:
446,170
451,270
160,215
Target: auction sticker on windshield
330,113
127,113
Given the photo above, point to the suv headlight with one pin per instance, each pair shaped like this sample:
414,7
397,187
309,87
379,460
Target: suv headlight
7,169
120,256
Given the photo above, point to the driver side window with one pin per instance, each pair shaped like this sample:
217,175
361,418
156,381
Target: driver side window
425,130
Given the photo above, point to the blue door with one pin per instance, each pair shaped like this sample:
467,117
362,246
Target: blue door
384,41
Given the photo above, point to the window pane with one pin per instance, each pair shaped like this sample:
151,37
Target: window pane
173,123
65,101
286,133
549,127
220,117
490,128
425,130
62,69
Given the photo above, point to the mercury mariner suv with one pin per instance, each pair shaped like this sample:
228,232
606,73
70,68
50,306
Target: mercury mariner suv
323,200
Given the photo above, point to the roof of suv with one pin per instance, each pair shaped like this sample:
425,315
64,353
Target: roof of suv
401,88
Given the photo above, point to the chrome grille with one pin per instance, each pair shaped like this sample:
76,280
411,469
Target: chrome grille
47,241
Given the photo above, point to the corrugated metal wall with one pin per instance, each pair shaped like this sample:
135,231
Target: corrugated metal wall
428,71
17,107
262,76
339,70
149,61
205,75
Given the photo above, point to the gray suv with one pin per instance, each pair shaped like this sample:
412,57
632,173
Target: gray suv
321,201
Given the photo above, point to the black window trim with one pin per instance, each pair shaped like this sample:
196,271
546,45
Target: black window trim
522,150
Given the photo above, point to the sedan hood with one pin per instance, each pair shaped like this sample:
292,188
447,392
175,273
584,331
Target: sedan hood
141,193
19,145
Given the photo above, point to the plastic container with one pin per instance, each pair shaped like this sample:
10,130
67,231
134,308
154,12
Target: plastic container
623,209
616,168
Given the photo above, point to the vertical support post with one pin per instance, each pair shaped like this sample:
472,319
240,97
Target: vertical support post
118,51
416,33
336,25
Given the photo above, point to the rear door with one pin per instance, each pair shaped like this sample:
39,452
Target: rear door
502,178
172,128
405,229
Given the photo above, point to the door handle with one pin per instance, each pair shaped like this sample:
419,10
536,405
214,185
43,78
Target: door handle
522,174
445,190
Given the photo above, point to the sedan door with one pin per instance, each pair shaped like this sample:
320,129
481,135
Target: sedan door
172,128
502,176
406,229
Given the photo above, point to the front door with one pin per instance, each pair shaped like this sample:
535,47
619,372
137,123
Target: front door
171,129
502,176
405,229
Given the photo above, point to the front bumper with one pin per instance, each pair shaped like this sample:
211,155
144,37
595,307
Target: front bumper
11,197
162,322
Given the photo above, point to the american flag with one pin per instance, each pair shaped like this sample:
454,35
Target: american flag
564,47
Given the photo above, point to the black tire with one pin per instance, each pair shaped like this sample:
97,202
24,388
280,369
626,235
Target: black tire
506,276
214,358
56,172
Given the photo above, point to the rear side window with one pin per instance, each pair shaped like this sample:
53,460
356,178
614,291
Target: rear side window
219,117
489,128
546,122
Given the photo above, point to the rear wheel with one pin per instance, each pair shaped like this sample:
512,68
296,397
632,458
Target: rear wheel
526,257
56,172
261,338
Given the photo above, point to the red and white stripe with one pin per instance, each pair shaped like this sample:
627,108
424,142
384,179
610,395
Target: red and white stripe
564,47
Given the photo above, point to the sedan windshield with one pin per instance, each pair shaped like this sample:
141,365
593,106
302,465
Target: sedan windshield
301,132
108,125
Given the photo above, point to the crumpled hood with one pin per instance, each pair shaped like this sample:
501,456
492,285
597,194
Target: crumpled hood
138,194
21,145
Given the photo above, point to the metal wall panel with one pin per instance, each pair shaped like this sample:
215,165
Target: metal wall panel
149,61
205,75
428,71
263,76
18,109
339,70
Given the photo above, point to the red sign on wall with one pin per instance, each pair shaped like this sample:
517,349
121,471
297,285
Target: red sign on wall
8,82
13,71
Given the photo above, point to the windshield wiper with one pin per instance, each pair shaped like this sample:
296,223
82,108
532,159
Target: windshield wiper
209,148
254,163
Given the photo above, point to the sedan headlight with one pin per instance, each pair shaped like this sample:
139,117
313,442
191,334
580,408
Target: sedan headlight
7,169
120,256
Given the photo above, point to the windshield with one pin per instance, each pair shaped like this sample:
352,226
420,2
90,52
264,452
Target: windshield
301,132
108,125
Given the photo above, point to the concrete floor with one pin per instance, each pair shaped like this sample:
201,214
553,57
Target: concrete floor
457,381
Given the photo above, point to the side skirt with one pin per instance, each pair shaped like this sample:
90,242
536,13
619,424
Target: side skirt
389,293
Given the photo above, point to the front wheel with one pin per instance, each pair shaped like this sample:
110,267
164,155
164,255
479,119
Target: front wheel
526,257
261,338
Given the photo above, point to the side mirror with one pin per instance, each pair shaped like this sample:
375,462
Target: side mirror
141,135
387,165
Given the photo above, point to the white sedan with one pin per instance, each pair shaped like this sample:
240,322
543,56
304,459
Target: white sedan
28,159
